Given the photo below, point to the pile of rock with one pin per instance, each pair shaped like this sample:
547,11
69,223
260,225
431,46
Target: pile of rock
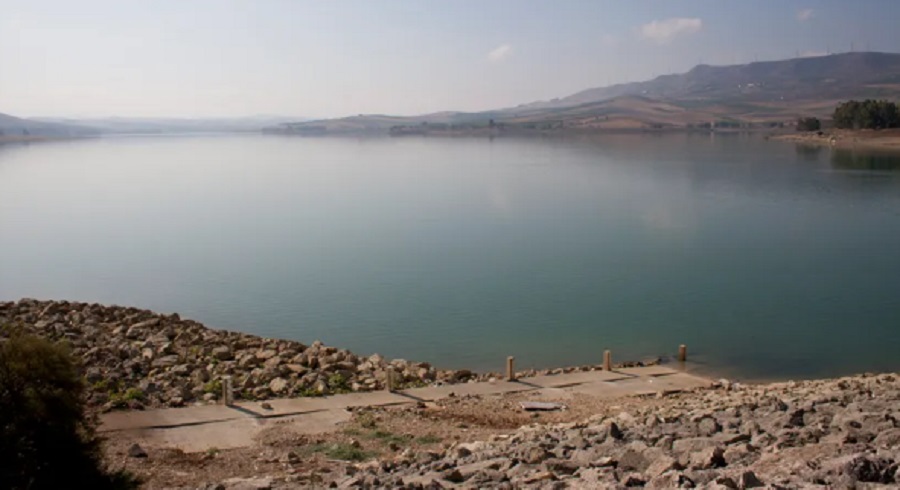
838,433
135,358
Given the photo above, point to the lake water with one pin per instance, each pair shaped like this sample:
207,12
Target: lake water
768,260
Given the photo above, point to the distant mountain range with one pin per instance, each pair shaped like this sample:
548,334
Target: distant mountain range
147,125
12,127
755,95
761,94
35,128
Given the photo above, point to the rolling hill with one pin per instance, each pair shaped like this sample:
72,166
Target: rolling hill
12,127
761,94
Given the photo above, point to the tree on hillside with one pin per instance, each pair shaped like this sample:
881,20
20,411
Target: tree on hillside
809,124
46,439
868,114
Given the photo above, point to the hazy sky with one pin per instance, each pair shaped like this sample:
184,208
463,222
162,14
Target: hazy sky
332,58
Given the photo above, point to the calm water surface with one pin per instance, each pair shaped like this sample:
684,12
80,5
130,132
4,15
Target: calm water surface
769,261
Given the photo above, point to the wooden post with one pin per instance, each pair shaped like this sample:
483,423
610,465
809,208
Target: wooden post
510,370
227,391
389,382
682,353
607,360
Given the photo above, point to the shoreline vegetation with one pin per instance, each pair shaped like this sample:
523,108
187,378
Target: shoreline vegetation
135,359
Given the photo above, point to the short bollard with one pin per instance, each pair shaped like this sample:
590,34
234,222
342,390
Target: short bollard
510,369
607,360
389,381
227,391
682,353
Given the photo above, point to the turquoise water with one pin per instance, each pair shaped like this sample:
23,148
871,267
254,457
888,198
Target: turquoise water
768,260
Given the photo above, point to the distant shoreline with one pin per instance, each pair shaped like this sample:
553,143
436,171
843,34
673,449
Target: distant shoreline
882,140
27,139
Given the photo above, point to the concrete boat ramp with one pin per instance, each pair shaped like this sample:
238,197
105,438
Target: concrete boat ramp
198,428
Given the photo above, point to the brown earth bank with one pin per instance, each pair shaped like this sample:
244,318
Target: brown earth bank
867,139
135,359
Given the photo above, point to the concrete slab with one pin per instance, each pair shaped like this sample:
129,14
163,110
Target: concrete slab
648,371
432,393
202,427
568,379
640,385
290,406
238,432
166,417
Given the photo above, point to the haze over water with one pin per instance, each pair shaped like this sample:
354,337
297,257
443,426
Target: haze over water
766,259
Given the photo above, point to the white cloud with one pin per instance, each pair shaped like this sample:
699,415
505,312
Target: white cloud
663,31
804,15
500,52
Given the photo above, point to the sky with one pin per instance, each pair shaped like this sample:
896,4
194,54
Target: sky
230,58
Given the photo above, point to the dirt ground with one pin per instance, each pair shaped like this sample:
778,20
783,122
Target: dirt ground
376,435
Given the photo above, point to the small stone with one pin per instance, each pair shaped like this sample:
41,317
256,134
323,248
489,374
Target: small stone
796,419
726,482
136,451
266,406
708,426
223,353
614,431
634,480
748,479
463,451
454,476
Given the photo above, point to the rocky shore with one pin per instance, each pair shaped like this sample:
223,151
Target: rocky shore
136,358
842,433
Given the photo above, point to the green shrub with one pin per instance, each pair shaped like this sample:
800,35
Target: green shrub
46,439
428,439
346,452
338,383
214,386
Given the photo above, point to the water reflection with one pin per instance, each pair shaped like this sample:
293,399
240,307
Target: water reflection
871,161
808,152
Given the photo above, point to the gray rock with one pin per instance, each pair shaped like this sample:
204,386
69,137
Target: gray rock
660,465
692,445
711,457
266,354
748,479
561,466
278,385
707,426
534,454
165,361
632,460
454,476
222,353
